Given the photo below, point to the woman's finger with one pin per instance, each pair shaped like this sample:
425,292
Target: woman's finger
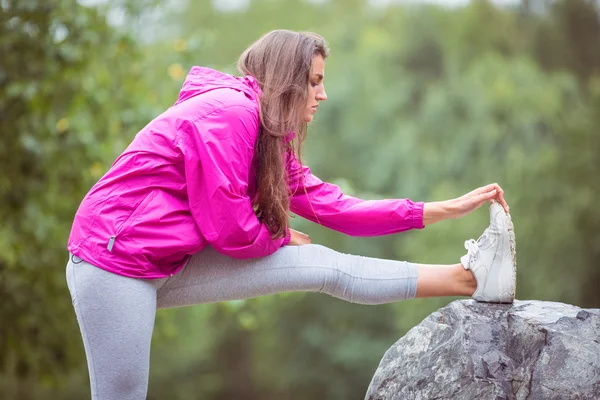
488,195
500,199
499,196
485,189
478,200
305,237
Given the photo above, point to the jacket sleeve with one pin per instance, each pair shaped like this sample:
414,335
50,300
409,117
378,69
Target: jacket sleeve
325,204
217,151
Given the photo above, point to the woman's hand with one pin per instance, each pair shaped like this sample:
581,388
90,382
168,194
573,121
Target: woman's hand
461,206
475,199
298,238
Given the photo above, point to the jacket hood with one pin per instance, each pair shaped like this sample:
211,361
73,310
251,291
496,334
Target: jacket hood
201,80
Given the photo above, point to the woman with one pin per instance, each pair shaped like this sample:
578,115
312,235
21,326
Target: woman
221,168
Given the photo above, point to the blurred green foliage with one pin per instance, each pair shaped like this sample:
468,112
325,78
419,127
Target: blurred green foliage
425,102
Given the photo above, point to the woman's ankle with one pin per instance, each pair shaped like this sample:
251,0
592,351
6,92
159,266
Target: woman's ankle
466,281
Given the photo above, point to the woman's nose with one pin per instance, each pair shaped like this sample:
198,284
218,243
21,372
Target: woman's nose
321,96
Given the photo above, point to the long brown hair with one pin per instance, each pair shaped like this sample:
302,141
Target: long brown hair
281,62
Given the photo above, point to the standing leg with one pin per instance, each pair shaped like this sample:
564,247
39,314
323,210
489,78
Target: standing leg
116,318
211,277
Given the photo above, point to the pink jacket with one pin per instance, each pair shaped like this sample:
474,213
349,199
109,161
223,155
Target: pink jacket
187,180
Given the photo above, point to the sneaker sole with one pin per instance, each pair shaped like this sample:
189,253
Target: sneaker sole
513,251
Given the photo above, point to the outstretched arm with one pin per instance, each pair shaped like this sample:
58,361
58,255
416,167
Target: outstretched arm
325,204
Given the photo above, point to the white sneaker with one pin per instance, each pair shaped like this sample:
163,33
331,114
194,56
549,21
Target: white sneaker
493,259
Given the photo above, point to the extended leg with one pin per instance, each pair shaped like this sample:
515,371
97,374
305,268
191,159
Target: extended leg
211,277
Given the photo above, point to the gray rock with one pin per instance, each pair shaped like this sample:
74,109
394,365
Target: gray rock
532,350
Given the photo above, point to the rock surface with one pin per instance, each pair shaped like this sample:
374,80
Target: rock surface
532,350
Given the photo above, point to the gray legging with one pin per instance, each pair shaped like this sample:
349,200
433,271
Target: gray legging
116,313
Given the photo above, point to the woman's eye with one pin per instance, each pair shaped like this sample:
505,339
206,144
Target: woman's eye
314,84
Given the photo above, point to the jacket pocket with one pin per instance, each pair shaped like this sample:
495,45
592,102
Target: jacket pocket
136,213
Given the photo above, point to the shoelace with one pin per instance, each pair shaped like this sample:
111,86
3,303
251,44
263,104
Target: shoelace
472,247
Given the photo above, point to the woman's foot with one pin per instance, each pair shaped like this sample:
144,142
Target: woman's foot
492,259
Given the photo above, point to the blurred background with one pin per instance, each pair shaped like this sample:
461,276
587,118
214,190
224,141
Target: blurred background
426,101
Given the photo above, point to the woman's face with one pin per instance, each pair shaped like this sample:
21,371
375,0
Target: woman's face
316,89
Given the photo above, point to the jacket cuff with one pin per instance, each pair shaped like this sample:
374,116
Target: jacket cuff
417,215
287,238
